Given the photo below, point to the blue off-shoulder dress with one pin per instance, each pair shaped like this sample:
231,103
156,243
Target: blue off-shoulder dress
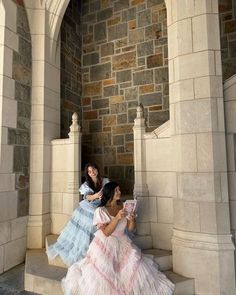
74,240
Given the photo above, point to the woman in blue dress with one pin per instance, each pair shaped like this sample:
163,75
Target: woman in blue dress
74,240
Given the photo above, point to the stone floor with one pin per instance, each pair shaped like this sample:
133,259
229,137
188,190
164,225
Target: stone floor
12,282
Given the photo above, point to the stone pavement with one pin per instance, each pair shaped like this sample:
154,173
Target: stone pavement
12,282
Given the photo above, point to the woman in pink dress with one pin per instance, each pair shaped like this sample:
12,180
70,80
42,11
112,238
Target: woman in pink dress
113,264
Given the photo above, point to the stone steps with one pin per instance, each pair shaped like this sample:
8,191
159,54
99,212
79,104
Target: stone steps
143,242
45,279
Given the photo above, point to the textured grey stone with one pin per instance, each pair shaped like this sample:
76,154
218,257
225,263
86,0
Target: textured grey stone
90,59
71,96
117,32
158,118
95,126
136,36
151,99
23,202
105,14
118,140
145,48
116,172
104,112
107,49
100,31
131,115
100,103
125,85
166,104
111,90
131,93
90,18
129,14
154,2
23,109
152,31
109,155
143,77
21,158
133,104
121,4
94,6
118,108
121,119
161,75
144,18
123,76
129,172
141,61
100,72
19,137
129,137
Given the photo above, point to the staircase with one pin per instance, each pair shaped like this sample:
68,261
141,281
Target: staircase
45,278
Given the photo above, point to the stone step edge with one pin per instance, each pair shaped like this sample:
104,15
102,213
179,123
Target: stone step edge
183,285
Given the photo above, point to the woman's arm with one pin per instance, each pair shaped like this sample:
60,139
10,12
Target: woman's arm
93,197
131,224
108,229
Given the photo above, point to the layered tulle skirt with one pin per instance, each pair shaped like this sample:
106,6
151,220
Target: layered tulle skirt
74,240
115,266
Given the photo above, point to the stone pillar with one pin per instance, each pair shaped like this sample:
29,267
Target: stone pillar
140,186
202,245
45,117
71,197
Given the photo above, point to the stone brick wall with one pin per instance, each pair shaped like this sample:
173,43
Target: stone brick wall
124,63
71,88
227,10
20,137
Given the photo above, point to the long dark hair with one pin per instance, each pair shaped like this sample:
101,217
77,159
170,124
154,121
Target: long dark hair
96,188
108,192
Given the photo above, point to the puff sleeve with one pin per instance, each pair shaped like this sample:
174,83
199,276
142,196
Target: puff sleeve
101,217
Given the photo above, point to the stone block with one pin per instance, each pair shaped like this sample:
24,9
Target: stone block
136,36
132,115
131,93
154,61
7,182
162,235
120,5
214,218
123,76
116,99
152,31
5,232
8,57
90,59
158,118
150,99
128,128
199,187
210,86
145,48
8,87
95,126
9,112
118,108
161,75
109,120
211,154
144,18
109,155
110,90
195,65
153,208
1,259
100,103
7,158
115,20
188,217
118,140
186,157
59,221
143,77
93,89
125,159
165,210
121,118
105,14
146,88
19,228
129,14
23,202
100,72
210,40
107,49
18,247
100,31
58,182
143,229
56,202
124,61
117,31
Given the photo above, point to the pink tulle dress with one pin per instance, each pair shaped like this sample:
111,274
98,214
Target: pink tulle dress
115,266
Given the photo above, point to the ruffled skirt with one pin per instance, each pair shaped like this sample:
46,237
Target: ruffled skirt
74,240
115,266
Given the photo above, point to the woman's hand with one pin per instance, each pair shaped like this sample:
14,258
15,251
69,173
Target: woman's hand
132,216
120,214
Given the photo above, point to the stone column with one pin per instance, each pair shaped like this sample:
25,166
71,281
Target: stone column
140,186
71,197
45,118
202,245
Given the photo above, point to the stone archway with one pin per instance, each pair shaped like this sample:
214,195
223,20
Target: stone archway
197,132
